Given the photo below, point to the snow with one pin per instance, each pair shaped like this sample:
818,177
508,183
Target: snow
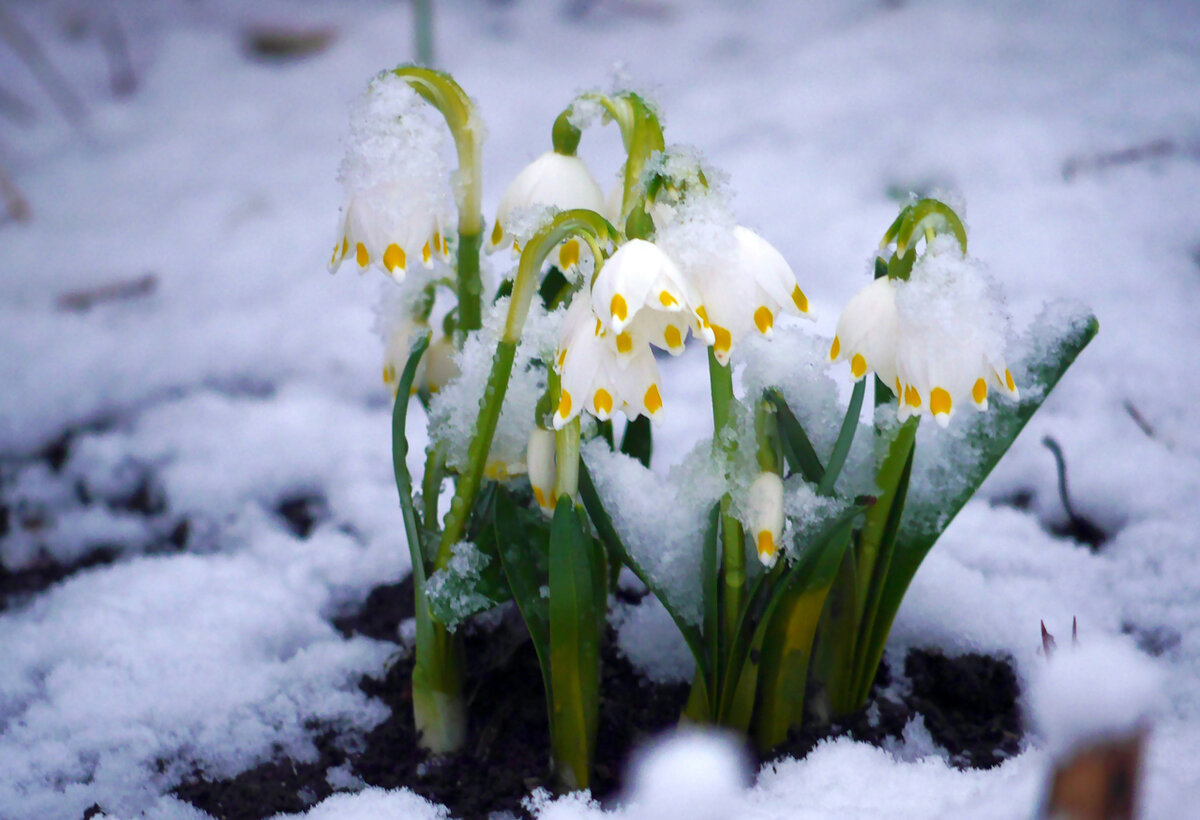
248,375
1096,691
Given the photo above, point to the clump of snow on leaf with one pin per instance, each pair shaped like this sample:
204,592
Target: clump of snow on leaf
1102,689
453,412
647,636
661,521
453,589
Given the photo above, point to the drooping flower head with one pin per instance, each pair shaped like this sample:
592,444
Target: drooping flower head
935,332
740,281
593,378
766,516
553,180
398,206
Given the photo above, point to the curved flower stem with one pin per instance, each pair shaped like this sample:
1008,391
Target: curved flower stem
641,134
447,96
566,454
733,552
594,229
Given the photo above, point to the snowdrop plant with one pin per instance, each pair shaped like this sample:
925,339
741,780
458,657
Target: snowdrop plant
775,606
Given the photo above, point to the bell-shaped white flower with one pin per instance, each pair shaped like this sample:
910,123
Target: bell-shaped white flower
440,365
553,180
641,297
741,281
398,205
937,338
765,511
594,378
539,455
866,332
397,347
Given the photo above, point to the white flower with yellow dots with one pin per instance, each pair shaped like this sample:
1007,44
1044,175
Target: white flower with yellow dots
739,281
594,378
641,297
936,338
398,206
552,180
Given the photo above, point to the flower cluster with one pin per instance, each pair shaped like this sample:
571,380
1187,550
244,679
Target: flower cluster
937,337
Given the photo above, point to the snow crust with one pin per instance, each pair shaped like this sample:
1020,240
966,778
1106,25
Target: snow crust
248,376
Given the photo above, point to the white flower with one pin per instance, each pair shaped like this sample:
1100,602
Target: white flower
641,298
396,349
742,282
552,180
594,377
866,332
765,513
398,205
440,365
539,455
937,338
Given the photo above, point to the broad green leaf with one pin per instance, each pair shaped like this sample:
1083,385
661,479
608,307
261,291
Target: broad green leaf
576,575
522,544
608,534
797,448
992,434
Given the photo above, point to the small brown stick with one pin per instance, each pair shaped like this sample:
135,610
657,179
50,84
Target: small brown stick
14,203
81,300
114,43
27,48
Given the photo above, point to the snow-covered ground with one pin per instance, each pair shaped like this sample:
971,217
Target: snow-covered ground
250,376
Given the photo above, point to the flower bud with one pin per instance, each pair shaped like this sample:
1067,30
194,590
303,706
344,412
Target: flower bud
766,516
539,455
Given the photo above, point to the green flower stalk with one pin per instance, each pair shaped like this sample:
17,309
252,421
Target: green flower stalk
441,91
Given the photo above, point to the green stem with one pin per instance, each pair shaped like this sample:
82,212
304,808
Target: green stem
641,134
423,30
441,91
845,438
579,222
733,553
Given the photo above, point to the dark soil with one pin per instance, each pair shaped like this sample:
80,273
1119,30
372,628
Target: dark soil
969,705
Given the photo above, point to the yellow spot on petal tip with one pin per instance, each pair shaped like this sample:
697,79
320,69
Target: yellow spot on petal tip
702,315
568,255
652,400
722,340
540,497
979,391
426,254
497,234
673,337
939,402
858,366
799,299
624,342
361,256
1008,381
912,397
393,258
602,402
562,358
835,348
766,546
618,308
763,320
666,299
564,404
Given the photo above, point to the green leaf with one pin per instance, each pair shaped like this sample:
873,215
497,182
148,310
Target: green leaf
797,448
813,570
841,447
638,440
992,434
412,523
522,543
608,534
577,615
712,604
